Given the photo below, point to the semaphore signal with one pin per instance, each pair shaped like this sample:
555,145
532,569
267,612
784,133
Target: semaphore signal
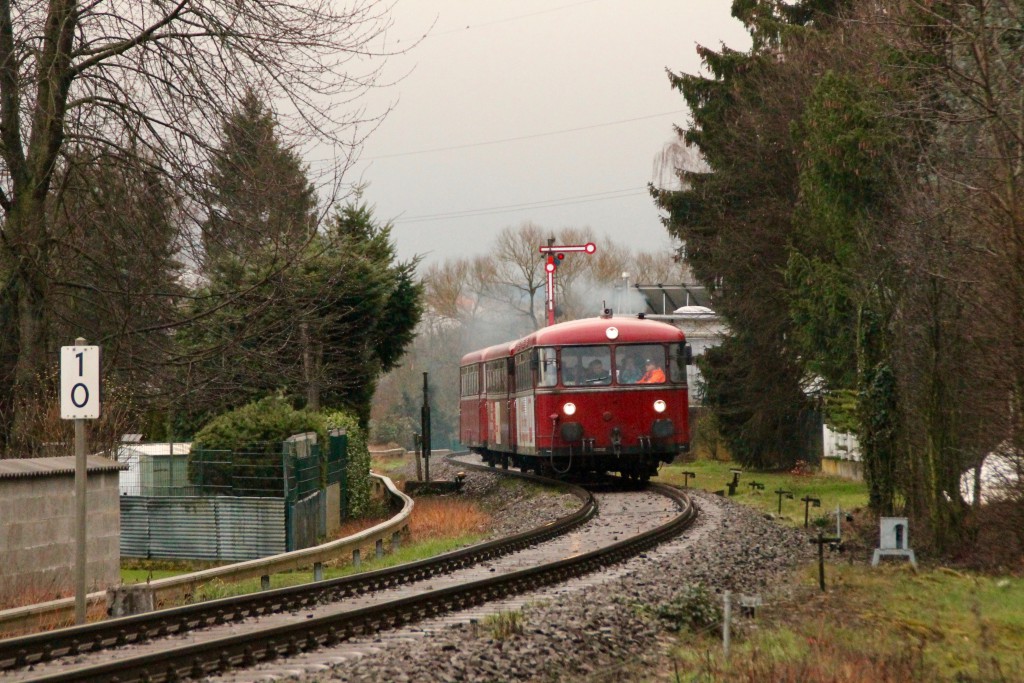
555,254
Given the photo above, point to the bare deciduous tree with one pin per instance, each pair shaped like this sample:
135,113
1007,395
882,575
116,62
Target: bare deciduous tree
153,80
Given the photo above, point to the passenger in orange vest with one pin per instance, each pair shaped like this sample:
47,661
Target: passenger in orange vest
653,374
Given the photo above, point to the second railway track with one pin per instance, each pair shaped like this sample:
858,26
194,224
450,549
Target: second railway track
243,632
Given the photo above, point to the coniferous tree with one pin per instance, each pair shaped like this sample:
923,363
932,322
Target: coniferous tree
260,201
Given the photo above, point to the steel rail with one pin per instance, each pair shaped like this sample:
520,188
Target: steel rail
23,651
206,658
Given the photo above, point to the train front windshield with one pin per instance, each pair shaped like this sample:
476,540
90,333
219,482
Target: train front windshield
597,365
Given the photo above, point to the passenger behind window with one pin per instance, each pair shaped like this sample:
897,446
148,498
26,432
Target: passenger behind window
572,372
596,374
630,372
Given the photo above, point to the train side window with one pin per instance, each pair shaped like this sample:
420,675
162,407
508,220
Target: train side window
548,367
496,377
470,383
523,372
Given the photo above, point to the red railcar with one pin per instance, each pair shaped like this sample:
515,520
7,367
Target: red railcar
595,395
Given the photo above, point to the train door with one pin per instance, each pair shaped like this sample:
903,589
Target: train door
523,407
510,410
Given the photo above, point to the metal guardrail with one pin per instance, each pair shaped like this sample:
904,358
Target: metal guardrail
62,611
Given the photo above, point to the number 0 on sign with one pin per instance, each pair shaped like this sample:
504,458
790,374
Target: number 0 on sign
79,382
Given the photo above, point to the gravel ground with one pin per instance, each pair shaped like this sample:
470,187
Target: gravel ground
604,629
514,505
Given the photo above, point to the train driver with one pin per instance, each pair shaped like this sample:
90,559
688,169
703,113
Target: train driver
652,373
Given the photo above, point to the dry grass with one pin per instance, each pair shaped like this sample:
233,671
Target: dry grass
29,595
432,518
446,518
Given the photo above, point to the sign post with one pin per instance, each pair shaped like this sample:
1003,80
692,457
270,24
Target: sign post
80,401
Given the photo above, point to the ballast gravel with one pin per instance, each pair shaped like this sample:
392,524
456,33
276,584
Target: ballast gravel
604,628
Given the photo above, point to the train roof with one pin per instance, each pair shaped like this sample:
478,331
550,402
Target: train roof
620,330
490,353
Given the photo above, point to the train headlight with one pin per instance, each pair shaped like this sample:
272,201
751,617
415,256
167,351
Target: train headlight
569,409
659,406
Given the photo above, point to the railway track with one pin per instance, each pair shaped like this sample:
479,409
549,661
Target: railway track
201,640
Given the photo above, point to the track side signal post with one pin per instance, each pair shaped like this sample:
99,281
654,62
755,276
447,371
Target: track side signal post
555,254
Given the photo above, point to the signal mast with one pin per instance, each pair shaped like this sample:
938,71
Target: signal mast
556,254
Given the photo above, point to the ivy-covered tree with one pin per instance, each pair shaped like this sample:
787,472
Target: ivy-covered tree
843,282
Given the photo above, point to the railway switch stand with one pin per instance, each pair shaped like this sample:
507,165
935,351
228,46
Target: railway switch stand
735,481
809,502
686,478
756,486
780,493
821,540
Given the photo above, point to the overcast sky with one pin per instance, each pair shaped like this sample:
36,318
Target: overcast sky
550,111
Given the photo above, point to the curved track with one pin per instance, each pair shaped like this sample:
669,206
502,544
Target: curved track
323,614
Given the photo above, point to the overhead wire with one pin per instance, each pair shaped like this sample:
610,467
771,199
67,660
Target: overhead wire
508,19
523,137
525,206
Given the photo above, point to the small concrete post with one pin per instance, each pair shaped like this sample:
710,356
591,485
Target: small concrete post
726,616
265,582
318,571
396,541
356,559
379,548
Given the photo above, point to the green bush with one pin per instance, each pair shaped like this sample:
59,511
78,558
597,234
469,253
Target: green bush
259,427
692,608
394,429
249,440
253,435
358,470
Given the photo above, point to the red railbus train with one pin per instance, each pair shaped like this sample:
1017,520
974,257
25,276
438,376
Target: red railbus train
600,395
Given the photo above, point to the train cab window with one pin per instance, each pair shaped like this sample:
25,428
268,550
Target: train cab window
586,366
547,367
640,364
678,359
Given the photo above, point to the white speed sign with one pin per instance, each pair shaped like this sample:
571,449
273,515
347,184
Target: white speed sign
79,382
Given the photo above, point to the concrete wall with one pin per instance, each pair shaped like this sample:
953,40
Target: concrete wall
847,469
37,535
333,509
